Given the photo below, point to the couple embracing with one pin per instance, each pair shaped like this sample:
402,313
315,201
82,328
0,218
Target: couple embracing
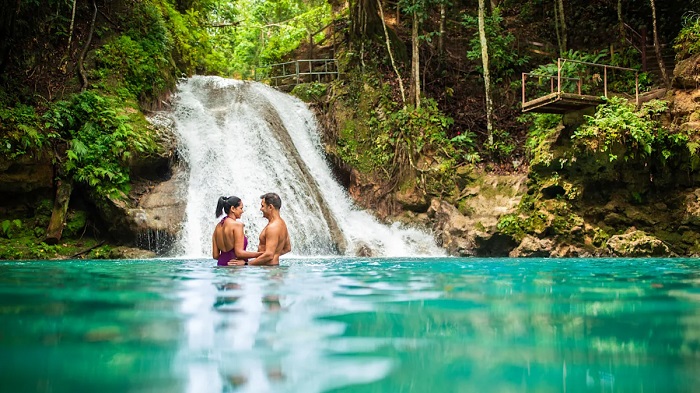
229,235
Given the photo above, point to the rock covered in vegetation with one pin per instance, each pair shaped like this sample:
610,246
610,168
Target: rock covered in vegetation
636,243
471,228
686,75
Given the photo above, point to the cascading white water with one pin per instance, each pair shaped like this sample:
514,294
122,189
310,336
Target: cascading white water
246,139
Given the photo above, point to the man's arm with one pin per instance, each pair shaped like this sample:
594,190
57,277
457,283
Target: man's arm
271,238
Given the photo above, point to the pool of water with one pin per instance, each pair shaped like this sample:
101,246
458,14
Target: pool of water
351,325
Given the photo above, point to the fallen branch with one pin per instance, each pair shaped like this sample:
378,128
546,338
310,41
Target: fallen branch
87,250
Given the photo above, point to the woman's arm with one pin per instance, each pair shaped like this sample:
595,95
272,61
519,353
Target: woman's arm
214,249
238,240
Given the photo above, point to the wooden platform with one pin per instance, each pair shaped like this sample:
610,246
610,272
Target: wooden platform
561,103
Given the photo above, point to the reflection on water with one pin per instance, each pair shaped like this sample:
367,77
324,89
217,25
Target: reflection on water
351,325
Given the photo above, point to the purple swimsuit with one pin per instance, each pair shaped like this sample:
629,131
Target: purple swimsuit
226,256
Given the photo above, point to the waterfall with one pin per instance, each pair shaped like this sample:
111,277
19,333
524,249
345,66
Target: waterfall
246,139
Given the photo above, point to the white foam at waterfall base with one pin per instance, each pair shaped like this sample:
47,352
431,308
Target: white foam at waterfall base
229,140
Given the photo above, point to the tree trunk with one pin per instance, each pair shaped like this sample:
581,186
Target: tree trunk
657,46
557,27
391,54
487,77
365,20
562,21
81,59
620,21
415,63
442,30
70,30
58,215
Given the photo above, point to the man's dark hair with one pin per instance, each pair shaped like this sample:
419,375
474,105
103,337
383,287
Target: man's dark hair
272,199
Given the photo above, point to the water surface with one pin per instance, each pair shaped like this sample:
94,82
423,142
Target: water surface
351,325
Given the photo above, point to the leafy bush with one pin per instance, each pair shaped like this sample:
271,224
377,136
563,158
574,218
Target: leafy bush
100,141
503,55
310,92
542,126
640,134
141,55
20,131
687,43
503,145
8,228
590,76
464,144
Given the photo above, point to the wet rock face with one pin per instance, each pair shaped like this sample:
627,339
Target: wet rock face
25,174
153,221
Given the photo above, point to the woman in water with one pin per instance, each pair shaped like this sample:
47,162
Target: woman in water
228,234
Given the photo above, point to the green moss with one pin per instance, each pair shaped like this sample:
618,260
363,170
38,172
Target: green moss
75,223
310,92
600,237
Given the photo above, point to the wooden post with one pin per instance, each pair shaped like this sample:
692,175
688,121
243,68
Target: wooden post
636,87
551,84
297,68
559,76
524,78
579,83
643,47
605,81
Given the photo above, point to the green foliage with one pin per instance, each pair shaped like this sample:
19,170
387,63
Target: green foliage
541,127
266,31
310,92
622,81
519,226
8,228
100,141
20,132
503,54
617,129
408,133
465,144
75,223
591,76
687,43
139,56
502,147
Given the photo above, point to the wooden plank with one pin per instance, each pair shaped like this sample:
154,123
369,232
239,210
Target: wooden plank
561,103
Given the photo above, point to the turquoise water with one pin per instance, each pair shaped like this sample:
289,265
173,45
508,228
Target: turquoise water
351,325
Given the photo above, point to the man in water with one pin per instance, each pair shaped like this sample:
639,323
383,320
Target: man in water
274,238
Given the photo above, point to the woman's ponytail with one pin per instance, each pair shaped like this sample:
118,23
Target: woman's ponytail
220,205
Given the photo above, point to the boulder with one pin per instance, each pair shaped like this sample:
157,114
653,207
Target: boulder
531,246
636,243
686,74
151,220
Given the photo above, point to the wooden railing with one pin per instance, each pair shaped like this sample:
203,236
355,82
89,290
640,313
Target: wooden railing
298,71
586,85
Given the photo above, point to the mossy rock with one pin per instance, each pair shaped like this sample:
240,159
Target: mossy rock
637,243
75,223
